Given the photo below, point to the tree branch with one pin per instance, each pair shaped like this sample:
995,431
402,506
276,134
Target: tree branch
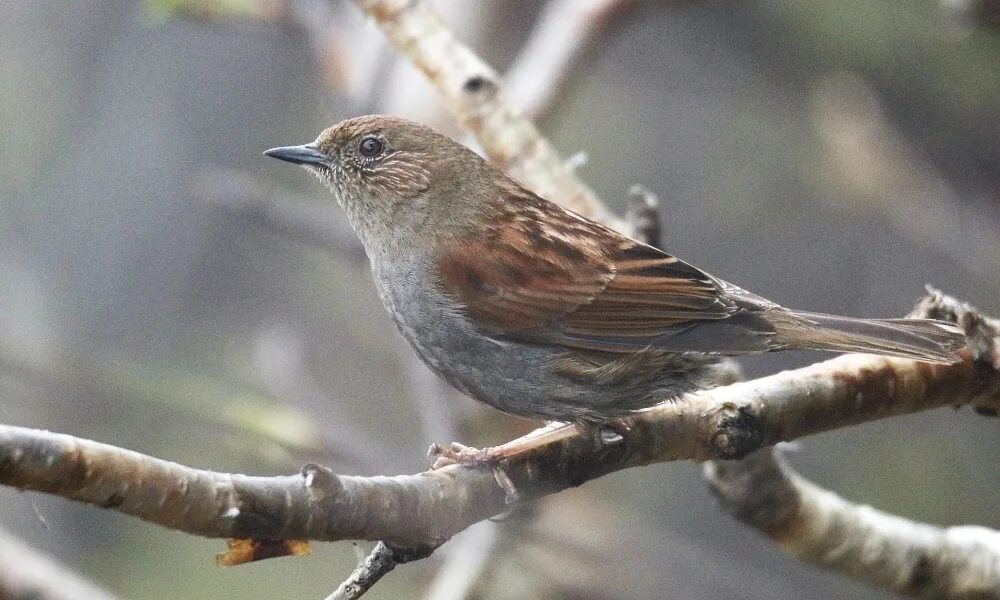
821,528
426,509
382,559
473,92
890,552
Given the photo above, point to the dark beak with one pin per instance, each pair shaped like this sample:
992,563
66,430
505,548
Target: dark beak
299,155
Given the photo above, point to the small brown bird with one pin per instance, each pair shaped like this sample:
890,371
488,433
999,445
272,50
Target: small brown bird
540,312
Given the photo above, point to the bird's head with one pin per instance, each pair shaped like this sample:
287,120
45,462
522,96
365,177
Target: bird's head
389,172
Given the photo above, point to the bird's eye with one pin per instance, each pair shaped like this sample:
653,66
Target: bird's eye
370,146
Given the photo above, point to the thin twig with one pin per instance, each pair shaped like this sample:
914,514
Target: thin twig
368,573
382,559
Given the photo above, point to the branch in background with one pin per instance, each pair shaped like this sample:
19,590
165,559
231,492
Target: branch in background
896,184
27,575
328,39
972,13
566,30
883,550
890,552
468,556
321,225
473,93
727,422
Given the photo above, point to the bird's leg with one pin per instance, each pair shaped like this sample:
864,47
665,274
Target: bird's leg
460,454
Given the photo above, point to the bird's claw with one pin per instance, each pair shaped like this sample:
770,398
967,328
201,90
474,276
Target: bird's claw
511,495
605,434
459,454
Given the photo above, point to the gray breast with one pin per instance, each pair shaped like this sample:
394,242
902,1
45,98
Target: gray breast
498,373
519,377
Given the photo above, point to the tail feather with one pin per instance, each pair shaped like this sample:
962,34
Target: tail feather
926,340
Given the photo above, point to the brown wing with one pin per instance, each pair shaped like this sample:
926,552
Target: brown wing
545,274
651,295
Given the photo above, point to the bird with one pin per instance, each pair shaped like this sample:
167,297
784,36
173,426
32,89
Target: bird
543,313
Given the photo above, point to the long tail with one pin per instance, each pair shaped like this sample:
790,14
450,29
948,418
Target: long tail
920,339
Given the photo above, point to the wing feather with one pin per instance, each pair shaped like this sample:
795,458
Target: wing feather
545,274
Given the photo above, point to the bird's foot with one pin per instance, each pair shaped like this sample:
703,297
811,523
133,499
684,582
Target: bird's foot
459,454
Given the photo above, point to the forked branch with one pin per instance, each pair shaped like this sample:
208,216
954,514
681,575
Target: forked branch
425,509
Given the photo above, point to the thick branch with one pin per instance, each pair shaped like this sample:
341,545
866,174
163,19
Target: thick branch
473,92
425,509
819,527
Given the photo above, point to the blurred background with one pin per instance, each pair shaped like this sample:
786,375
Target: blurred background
165,288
